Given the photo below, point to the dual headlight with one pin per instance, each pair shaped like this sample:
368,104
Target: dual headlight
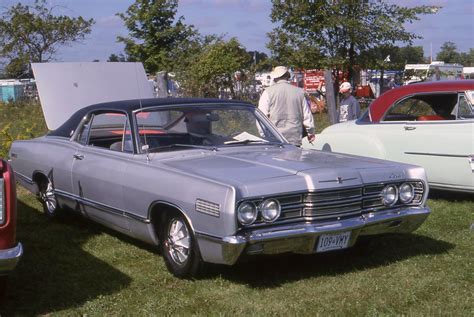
392,193
269,210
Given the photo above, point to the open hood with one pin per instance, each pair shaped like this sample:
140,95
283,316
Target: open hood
64,88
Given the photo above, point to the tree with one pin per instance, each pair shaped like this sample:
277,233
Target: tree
116,58
215,67
31,34
325,33
467,59
448,53
411,55
156,37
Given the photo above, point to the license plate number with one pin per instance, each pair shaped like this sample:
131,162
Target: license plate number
329,242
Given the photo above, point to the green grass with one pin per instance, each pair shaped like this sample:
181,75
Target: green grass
72,266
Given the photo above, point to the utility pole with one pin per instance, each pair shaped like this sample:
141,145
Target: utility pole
162,84
330,96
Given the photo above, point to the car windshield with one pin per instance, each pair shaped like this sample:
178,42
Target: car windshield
203,127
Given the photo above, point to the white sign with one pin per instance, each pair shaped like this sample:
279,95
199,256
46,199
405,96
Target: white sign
64,88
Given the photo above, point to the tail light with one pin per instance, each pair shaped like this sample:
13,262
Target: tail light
2,201
7,206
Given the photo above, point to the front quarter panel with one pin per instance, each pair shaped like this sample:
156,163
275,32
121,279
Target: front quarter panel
149,184
349,138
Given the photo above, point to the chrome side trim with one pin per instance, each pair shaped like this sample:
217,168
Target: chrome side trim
102,207
9,258
24,178
437,154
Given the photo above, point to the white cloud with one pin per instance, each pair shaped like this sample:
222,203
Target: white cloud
111,21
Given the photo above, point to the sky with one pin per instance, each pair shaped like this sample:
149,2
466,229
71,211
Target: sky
248,21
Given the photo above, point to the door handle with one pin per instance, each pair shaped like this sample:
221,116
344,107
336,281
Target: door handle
78,156
409,128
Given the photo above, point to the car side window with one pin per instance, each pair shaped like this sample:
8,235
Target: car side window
409,110
465,110
84,130
110,130
424,107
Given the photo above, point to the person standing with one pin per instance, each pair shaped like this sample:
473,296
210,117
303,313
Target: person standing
287,108
349,108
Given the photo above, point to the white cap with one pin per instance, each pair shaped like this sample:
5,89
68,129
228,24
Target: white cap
279,71
345,87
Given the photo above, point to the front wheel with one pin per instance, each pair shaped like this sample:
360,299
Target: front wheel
179,248
48,199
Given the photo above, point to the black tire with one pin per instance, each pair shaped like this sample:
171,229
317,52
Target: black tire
3,289
179,248
48,199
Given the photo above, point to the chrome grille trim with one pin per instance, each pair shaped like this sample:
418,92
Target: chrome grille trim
208,208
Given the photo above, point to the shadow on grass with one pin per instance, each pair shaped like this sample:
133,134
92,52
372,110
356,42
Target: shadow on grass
369,252
55,273
451,196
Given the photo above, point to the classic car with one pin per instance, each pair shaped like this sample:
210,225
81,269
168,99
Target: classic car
10,250
208,180
426,124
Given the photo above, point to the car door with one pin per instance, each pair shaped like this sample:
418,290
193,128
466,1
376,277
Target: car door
435,139
98,168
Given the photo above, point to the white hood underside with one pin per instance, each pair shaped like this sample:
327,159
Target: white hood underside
64,88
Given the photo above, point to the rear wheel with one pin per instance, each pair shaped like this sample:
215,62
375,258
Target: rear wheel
3,289
48,199
179,248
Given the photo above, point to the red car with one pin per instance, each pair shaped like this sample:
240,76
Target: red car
10,250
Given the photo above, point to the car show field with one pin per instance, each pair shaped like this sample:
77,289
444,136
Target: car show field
72,266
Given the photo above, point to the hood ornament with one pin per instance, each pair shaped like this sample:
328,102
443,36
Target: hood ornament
338,180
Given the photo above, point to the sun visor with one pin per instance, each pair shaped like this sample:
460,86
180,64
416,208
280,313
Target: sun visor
64,88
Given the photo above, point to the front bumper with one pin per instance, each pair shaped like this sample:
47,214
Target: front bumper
9,258
302,237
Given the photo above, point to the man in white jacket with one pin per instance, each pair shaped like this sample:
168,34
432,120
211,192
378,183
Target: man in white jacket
286,106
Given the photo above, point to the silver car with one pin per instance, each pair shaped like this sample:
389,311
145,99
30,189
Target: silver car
209,180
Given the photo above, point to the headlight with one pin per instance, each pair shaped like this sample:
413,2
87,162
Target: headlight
406,193
270,210
247,213
389,195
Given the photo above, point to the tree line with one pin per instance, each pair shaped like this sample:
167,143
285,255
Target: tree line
308,34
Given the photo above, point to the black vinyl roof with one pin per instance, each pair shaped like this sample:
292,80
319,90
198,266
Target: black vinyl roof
134,104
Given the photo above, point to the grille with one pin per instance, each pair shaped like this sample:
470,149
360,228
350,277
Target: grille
334,203
208,208
340,203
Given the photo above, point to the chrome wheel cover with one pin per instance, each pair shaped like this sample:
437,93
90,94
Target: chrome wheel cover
49,198
178,242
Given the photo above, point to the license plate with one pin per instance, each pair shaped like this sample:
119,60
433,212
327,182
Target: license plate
329,242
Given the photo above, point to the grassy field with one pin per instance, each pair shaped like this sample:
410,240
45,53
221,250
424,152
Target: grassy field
72,266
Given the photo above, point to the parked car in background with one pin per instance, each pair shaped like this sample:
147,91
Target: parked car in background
415,73
10,249
209,180
427,124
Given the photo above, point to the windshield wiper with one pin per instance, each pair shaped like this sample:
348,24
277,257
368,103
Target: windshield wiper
178,145
247,141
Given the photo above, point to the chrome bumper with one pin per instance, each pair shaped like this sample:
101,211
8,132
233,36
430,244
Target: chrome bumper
9,258
302,237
